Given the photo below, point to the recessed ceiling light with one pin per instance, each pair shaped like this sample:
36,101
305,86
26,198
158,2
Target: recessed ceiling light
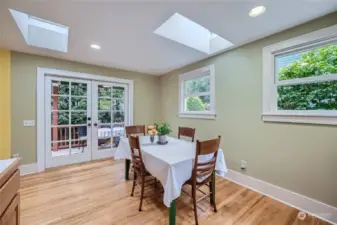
94,46
257,11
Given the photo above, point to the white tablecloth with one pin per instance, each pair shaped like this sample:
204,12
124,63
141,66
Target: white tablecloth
171,164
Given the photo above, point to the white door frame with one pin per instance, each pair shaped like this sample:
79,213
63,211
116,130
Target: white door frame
40,103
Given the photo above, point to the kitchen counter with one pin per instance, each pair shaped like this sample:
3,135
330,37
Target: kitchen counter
4,164
9,192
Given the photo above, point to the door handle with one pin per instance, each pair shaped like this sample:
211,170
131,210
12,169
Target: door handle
89,124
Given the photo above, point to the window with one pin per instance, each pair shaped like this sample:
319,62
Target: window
300,79
197,92
184,31
41,33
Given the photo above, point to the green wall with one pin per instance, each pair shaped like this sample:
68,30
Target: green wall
23,96
301,158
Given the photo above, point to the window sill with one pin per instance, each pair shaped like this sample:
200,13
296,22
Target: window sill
327,119
208,116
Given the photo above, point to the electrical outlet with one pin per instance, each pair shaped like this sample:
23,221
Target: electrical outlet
15,155
243,164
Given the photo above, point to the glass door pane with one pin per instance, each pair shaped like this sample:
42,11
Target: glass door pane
104,131
109,110
69,110
60,118
118,114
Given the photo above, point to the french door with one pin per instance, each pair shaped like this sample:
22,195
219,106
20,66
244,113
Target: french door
109,113
84,119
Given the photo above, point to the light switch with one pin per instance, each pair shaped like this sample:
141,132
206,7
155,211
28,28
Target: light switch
29,123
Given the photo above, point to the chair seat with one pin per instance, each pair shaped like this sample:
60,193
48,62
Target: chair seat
200,180
137,170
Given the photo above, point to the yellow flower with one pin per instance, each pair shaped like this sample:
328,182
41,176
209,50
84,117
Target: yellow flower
150,132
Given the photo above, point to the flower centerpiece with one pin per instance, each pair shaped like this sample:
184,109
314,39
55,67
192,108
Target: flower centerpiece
151,130
163,129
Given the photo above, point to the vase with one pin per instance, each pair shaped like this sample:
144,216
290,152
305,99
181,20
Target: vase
151,138
162,139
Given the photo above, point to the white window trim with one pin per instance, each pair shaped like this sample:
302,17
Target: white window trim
207,70
269,110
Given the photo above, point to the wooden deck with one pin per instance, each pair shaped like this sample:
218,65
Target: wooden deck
96,193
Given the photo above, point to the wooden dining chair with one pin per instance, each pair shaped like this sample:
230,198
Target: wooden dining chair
186,132
132,130
139,171
204,172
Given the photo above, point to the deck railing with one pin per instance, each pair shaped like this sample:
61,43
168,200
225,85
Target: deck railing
62,136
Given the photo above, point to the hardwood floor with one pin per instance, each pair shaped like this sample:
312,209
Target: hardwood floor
96,194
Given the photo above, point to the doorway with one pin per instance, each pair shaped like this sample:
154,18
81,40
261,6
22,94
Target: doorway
84,119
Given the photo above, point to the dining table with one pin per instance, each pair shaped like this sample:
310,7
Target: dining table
171,164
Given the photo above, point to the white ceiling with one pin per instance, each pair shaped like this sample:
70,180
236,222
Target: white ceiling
125,29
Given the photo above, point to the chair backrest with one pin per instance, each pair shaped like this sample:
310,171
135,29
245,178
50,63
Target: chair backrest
136,153
130,130
186,132
205,168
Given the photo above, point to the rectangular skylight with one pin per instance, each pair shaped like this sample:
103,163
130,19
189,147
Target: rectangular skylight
187,32
41,33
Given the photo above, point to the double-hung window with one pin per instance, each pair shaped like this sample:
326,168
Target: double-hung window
197,93
300,79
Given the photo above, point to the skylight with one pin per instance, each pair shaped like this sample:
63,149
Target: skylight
187,32
41,33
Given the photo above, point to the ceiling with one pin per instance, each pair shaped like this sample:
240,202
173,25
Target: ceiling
125,29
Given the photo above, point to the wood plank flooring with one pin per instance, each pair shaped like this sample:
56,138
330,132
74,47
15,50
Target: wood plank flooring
96,193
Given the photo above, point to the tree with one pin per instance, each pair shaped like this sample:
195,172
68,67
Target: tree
109,99
195,104
311,96
199,85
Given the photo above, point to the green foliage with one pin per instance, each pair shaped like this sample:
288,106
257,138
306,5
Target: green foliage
104,117
194,104
78,117
78,89
317,62
198,85
200,103
109,94
118,92
63,87
104,91
163,128
118,117
313,96
78,103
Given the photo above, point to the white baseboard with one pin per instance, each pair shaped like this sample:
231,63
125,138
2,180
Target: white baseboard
318,209
28,169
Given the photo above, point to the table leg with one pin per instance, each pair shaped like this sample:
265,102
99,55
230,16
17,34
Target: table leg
127,169
172,213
